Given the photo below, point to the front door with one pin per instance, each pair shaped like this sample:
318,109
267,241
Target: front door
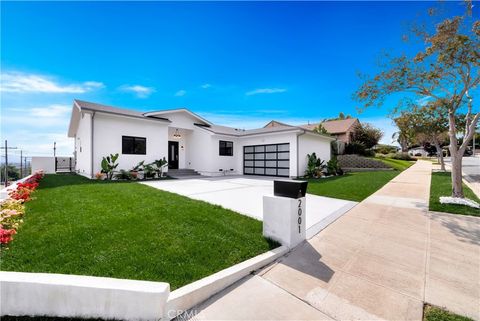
173,155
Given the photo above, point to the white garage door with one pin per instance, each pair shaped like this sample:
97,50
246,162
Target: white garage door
267,160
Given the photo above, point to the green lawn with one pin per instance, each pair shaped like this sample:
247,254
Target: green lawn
431,313
396,164
441,185
128,230
354,186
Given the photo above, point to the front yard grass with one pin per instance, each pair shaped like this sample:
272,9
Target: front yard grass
128,230
397,164
432,313
357,186
441,185
354,186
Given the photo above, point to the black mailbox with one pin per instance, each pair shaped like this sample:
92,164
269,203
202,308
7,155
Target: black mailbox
290,188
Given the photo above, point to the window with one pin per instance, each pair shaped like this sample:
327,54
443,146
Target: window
134,145
226,148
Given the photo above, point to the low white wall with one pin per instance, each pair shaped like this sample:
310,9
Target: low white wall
192,294
38,294
47,164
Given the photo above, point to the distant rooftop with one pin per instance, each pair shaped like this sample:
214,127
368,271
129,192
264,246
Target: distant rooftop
217,129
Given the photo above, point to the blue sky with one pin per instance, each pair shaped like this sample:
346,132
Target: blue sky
239,64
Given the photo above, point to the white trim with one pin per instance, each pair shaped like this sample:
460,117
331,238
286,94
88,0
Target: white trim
192,294
179,110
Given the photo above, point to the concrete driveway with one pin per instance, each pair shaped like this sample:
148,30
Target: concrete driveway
245,195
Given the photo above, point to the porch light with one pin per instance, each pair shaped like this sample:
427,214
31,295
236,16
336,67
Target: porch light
177,134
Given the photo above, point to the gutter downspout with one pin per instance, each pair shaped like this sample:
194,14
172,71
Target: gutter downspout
91,145
298,154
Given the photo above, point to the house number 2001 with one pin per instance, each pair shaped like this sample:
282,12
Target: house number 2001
299,216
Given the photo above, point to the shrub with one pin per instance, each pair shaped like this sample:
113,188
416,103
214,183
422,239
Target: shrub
354,148
333,168
369,153
12,209
315,166
6,235
385,149
109,165
123,174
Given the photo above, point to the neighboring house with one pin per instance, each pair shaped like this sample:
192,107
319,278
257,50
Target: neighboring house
341,129
187,140
418,151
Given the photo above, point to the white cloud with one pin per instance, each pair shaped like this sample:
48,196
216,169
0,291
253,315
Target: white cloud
33,143
36,117
265,91
424,100
140,91
206,86
181,93
34,129
52,111
17,82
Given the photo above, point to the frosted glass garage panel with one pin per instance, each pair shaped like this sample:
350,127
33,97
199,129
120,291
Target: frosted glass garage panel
271,171
271,148
260,171
283,164
270,159
271,163
248,170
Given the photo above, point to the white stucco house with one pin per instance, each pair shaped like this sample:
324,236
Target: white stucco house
188,141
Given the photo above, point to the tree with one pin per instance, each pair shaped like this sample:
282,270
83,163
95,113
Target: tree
430,121
320,129
445,70
341,116
12,172
367,135
406,135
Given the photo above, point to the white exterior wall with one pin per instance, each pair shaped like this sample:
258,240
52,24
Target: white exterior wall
274,138
83,148
225,163
309,143
108,132
47,164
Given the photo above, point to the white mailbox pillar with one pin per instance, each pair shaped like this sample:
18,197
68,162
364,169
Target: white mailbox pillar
284,213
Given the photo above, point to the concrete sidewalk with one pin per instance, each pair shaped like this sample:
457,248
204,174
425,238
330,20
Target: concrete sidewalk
381,260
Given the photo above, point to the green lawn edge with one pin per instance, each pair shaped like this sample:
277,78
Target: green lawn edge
432,313
441,185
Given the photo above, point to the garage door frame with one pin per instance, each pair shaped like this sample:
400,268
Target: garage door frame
269,149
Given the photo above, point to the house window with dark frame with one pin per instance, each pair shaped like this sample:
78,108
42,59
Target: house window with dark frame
134,145
225,148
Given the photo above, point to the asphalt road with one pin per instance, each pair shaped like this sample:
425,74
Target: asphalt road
470,168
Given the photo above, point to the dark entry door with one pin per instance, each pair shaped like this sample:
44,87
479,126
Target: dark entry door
173,155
